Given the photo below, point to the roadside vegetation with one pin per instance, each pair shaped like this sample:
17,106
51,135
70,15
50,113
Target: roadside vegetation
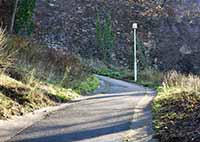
176,106
33,76
148,77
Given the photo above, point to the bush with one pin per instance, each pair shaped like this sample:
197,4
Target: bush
89,85
113,72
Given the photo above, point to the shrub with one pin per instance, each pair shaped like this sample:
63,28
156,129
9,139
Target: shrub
143,55
150,77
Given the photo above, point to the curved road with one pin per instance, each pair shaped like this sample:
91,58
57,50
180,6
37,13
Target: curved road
118,112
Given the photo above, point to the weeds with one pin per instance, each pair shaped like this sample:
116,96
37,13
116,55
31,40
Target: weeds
41,77
65,76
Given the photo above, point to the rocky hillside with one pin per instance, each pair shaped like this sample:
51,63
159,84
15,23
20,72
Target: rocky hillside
177,37
169,31
171,34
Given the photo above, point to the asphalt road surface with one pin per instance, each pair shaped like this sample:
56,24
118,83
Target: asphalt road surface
119,111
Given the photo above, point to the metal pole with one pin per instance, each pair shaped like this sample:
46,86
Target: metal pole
135,55
135,26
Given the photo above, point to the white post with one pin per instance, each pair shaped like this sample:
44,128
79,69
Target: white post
135,50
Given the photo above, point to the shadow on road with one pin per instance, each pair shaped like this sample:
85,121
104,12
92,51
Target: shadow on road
54,133
102,118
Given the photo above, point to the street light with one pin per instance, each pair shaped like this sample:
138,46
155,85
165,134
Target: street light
135,26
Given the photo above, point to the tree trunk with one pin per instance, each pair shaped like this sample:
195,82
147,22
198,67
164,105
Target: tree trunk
13,16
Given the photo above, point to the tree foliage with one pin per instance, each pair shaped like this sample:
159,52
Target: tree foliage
24,17
105,37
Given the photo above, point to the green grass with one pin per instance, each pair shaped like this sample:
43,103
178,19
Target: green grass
87,86
148,77
17,98
112,72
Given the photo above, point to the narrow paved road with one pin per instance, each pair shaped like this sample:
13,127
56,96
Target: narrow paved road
118,112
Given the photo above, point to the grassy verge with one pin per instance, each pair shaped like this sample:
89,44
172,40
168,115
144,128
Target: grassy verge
17,98
176,108
88,85
148,77
113,73
34,76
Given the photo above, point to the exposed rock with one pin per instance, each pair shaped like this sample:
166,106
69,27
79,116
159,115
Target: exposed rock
185,50
169,35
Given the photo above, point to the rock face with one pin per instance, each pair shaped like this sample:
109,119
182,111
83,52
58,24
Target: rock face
177,39
171,35
71,24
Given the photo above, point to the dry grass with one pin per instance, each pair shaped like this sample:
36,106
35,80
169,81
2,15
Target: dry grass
6,52
2,38
176,108
184,82
55,65
17,98
39,77
3,58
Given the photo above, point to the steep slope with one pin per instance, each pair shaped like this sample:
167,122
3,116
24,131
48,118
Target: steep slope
170,36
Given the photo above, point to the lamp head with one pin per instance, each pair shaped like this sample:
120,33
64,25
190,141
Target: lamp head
134,26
